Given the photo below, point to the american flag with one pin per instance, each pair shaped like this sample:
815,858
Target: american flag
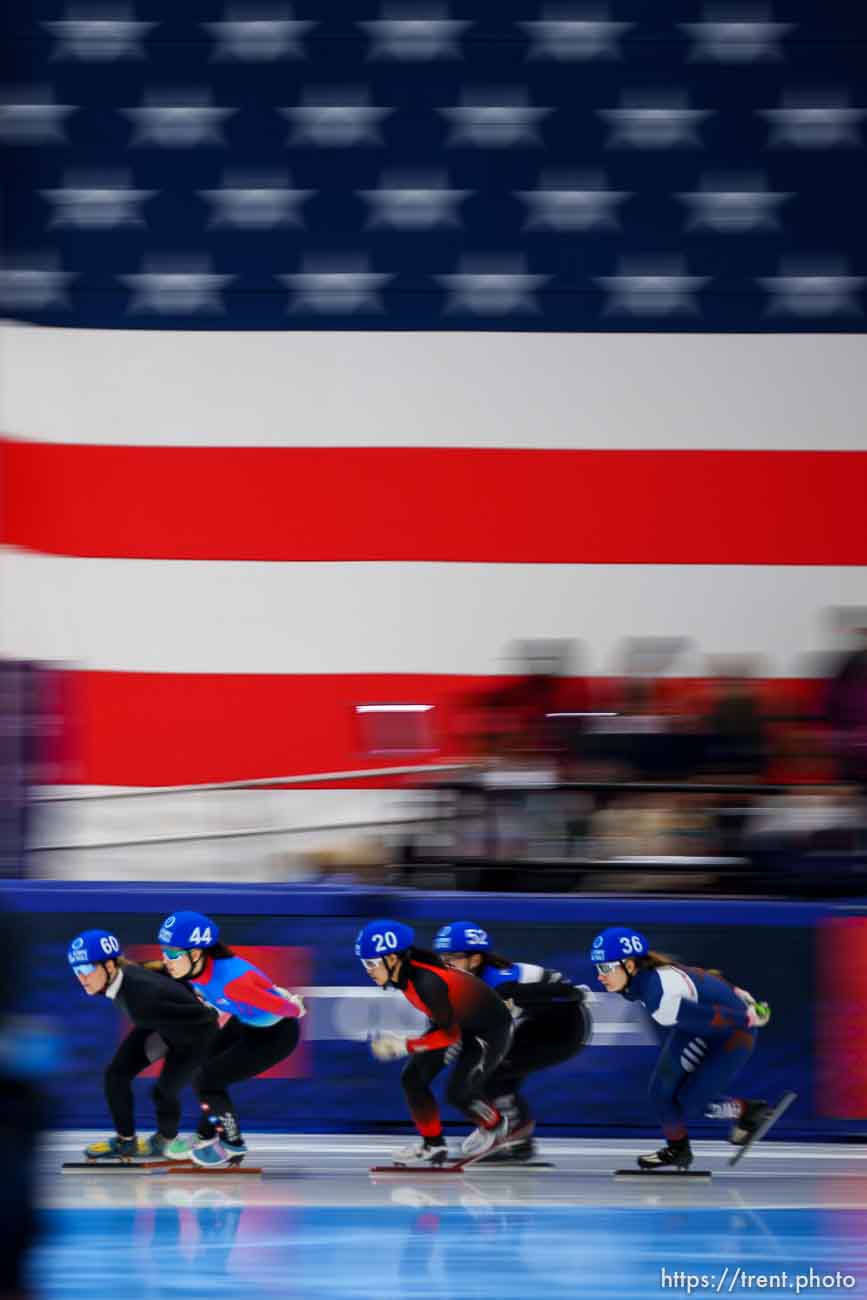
340,351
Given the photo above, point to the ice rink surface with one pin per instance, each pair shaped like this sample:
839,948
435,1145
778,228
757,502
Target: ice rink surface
791,1219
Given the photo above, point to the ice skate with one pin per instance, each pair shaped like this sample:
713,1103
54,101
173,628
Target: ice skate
422,1154
676,1155
517,1153
180,1148
116,1149
484,1139
753,1114
217,1153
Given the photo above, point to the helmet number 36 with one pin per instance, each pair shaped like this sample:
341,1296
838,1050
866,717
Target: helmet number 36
631,944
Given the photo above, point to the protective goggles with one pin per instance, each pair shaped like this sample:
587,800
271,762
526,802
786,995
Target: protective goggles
607,967
371,963
85,969
172,954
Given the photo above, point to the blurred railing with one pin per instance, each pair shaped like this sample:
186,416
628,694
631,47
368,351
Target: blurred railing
266,828
450,826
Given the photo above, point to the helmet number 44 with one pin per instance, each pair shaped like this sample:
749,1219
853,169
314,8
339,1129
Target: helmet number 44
199,936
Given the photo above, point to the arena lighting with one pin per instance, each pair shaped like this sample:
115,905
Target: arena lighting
582,715
393,708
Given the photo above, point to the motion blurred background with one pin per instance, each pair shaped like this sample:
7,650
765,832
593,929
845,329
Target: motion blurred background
431,471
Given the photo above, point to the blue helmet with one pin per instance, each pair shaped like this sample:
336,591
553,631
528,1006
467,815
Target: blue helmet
92,946
188,930
378,938
462,936
617,943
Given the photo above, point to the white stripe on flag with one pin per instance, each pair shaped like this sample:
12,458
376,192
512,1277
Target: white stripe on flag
445,389
232,617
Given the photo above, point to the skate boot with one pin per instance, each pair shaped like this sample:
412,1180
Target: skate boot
517,1112
155,1147
676,1155
116,1149
517,1154
218,1153
180,1148
484,1139
752,1115
430,1151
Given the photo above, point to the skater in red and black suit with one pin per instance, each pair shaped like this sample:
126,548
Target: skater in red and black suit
468,1024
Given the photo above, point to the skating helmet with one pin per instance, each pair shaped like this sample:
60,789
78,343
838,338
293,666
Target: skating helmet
617,943
379,938
188,930
92,946
462,936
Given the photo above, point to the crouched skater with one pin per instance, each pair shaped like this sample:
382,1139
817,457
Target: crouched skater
469,1027
552,1021
713,1027
169,1023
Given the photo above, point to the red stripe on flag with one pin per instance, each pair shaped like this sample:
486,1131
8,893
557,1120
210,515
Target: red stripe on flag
148,729
503,506
159,729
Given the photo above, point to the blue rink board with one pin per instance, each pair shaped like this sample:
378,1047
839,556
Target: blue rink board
771,948
473,1250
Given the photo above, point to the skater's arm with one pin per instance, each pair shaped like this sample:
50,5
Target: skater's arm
166,1002
257,990
671,999
542,988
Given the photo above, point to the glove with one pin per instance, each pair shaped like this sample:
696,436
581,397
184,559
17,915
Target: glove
388,1047
758,1015
295,998
453,1052
745,997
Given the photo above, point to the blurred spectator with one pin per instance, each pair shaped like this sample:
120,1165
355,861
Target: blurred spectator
651,825
357,860
846,709
818,819
733,728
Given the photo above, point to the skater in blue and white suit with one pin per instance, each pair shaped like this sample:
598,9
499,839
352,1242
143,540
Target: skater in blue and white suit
712,1027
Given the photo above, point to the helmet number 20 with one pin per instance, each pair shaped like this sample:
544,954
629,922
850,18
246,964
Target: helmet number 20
386,942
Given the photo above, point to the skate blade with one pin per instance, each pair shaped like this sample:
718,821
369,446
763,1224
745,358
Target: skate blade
456,1166
781,1107
671,1174
512,1166
511,1140
118,1166
224,1170
411,1171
